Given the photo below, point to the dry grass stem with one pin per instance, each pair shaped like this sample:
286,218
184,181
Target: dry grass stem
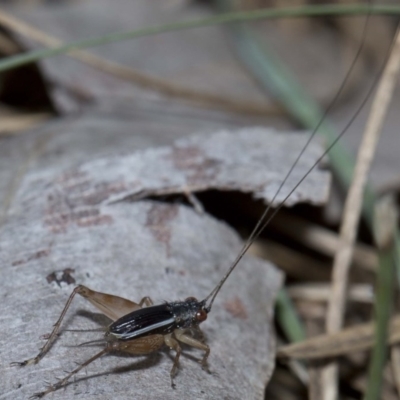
352,209
379,31
320,292
389,187
300,371
294,26
12,125
294,263
314,388
313,329
354,339
385,219
163,86
285,386
311,310
7,46
387,393
297,368
395,365
323,240
9,194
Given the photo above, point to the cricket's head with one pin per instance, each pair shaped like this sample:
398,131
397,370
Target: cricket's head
196,309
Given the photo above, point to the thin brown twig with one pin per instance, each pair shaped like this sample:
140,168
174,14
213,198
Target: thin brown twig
348,340
12,125
395,364
206,100
352,210
297,25
323,240
320,292
290,261
360,383
8,47
33,154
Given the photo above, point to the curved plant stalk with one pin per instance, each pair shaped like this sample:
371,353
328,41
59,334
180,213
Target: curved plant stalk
226,18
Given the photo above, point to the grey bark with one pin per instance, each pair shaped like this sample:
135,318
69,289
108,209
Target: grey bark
80,226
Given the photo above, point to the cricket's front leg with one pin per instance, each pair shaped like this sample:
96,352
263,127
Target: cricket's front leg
191,341
173,344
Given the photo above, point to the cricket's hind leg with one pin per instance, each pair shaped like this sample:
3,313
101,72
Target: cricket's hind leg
145,345
63,382
112,306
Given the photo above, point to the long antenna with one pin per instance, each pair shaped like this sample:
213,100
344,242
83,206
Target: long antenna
263,221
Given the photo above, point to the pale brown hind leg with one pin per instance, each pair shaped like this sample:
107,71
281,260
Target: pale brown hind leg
112,306
147,301
62,382
145,345
173,344
191,341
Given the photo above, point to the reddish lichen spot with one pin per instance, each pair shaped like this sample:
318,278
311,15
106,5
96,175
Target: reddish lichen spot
199,169
236,308
73,197
101,191
185,157
71,175
39,254
34,256
157,220
61,276
99,220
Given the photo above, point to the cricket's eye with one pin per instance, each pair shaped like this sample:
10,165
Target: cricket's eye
201,316
191,299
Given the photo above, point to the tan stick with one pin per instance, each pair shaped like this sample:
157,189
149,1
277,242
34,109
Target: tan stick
395,364
352,209
319,292
207,100
348,340
12,125
323,240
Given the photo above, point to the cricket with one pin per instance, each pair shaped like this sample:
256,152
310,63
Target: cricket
144,327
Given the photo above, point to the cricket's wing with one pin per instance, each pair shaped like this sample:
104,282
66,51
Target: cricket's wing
143,322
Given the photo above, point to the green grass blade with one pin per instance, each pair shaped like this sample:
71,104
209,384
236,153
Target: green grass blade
227,18
385,234
276,78
288,318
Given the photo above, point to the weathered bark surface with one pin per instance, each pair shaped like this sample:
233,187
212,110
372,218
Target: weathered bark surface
80,226
199,59
253,160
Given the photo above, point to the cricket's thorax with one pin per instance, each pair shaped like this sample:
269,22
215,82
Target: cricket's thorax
161,319
188,313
